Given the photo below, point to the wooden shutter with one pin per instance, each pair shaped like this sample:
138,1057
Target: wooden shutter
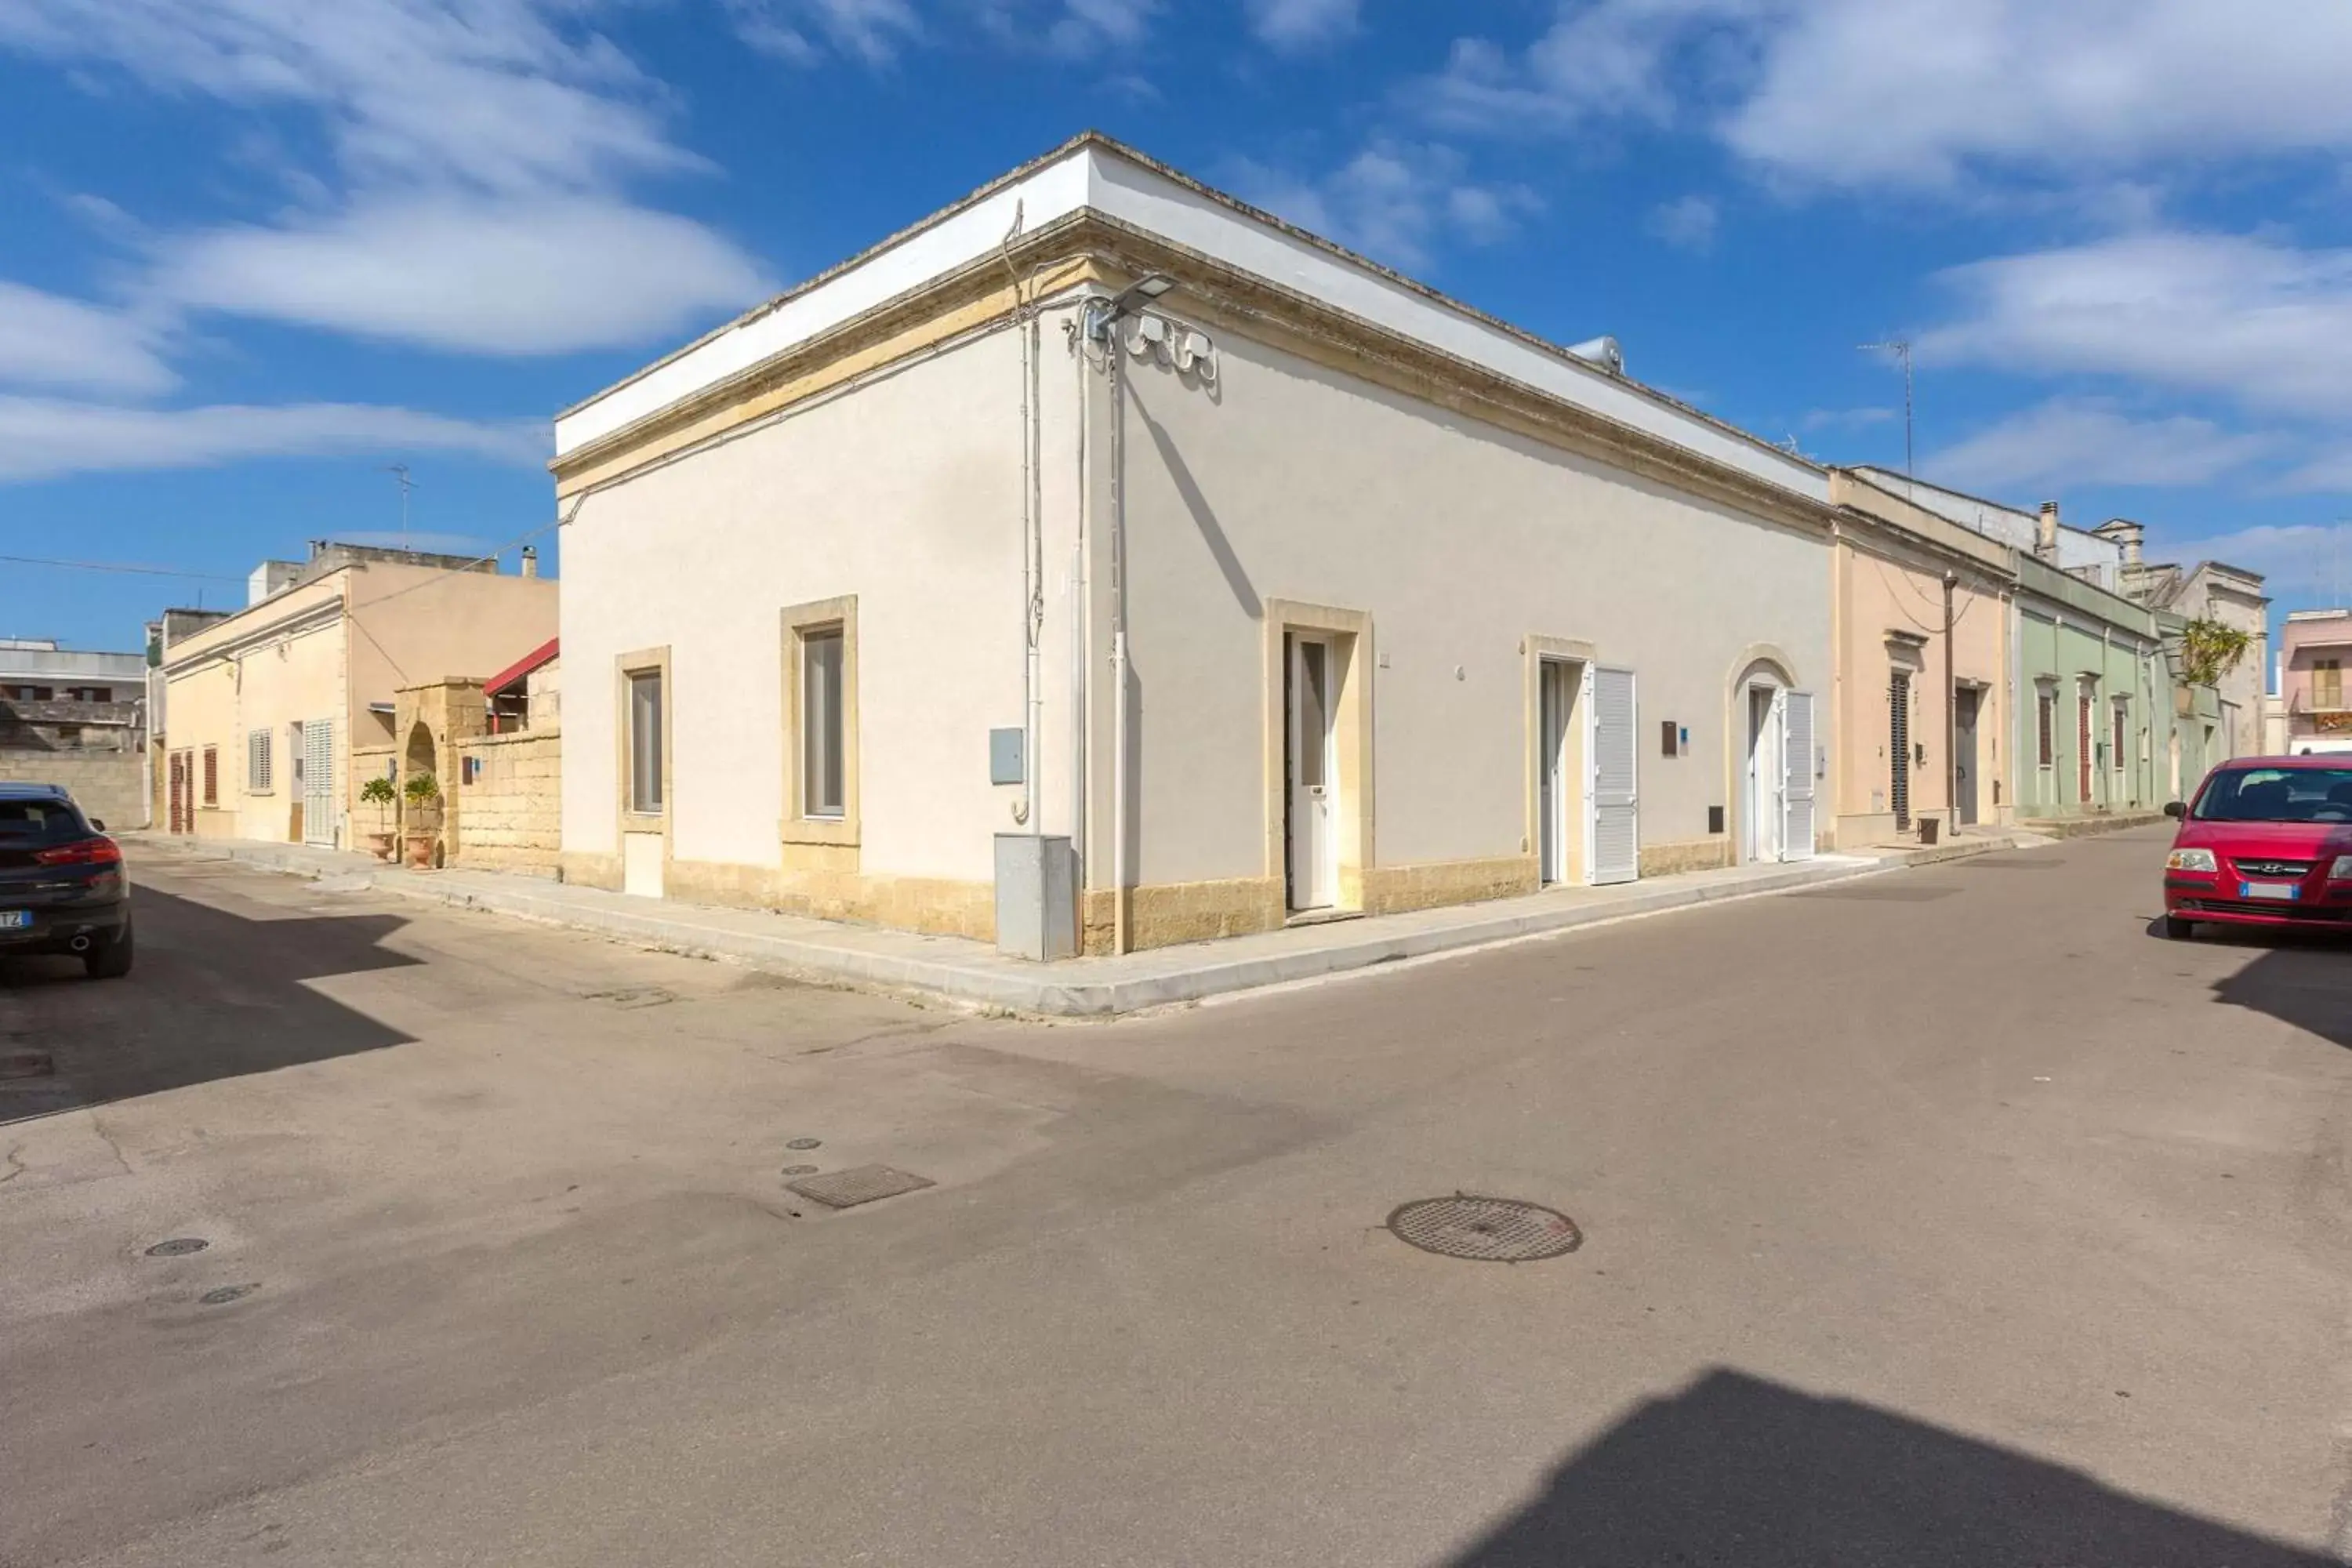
319,790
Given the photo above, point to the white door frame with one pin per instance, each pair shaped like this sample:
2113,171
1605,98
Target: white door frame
1571,678
1313,810
1765,810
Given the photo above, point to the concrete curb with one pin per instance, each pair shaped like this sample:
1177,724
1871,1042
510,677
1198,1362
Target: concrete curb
966,972
2087,826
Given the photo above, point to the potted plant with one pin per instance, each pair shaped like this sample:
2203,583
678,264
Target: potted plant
378,793
424,792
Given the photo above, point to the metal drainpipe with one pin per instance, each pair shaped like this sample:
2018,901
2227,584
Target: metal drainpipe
1951,715
1081,644
1033,546
1121,936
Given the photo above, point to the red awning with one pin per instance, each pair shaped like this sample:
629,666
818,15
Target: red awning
514,673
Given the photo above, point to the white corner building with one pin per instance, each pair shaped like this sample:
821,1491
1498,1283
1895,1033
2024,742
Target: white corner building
1194,573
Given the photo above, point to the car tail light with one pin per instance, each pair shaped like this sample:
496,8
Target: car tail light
89,852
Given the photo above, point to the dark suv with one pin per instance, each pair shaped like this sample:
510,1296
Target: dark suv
62,884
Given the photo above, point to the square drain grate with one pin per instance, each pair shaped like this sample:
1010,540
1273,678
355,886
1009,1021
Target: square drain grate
859,1184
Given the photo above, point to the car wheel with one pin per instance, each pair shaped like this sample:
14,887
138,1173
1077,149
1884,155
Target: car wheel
2178,930
110,960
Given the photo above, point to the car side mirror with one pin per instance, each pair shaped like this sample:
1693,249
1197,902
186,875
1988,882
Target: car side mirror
2175,809
96,826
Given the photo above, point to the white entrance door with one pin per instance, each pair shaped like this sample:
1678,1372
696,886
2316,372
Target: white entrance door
1796,723
320,813
641,865
1616,813
1555,697
1761,828
1313,773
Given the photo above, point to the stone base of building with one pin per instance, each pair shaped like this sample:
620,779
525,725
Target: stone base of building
1166,914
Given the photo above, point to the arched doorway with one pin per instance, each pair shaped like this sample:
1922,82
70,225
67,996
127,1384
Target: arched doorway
421,759
1774,767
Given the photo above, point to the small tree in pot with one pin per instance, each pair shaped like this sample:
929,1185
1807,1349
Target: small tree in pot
424,792
378,793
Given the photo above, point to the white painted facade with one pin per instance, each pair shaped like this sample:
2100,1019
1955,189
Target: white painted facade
1586,517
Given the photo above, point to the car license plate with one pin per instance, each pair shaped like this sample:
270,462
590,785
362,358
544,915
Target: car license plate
16,920
2289,891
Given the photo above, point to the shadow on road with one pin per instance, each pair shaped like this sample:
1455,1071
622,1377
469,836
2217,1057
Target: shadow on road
1737,1471
2302,980
213,996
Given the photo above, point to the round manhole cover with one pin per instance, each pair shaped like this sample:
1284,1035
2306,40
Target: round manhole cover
178,1246
1486,1230
800,1169
227,1293
806,1144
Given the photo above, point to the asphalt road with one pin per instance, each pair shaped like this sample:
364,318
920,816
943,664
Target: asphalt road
1943,1218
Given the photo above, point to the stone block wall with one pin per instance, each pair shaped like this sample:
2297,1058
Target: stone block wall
510,810
109,784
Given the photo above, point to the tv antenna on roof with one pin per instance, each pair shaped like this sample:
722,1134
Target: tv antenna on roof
1901,349
399,472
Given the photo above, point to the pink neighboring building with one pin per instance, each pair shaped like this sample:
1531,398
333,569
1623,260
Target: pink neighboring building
2314,647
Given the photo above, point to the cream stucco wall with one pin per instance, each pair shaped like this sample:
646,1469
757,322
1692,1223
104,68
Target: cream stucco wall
904,491
418,623
1289,481
325,650
267,670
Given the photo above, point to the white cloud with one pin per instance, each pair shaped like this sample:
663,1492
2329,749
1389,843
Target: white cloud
492,93
2327,470
1303,24
2075,441
44,438
870,31
1085,27
1916,90
1391,201
543,276
48,339
1686,222
1606,59
2304,563
472,139
2267,324
1923,93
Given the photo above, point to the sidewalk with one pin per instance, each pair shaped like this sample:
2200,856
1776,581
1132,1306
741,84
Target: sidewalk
974,973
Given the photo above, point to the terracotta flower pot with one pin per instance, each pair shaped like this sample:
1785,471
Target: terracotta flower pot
420,849
379,845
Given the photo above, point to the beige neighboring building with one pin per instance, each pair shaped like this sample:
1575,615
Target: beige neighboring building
1922,608
1103,530
2209,591
510,800
272,708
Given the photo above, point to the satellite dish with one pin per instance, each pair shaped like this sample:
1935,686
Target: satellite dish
1191,349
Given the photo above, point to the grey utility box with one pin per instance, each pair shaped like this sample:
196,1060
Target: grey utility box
1037,897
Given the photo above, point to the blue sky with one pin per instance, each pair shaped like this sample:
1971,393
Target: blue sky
258,250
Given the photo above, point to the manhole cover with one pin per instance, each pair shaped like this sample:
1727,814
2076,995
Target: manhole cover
806,1144
858,1185
227,1293
26,1064
800,1169
1486,1230
178,1246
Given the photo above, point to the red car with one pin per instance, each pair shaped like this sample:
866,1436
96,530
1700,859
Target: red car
2266,841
